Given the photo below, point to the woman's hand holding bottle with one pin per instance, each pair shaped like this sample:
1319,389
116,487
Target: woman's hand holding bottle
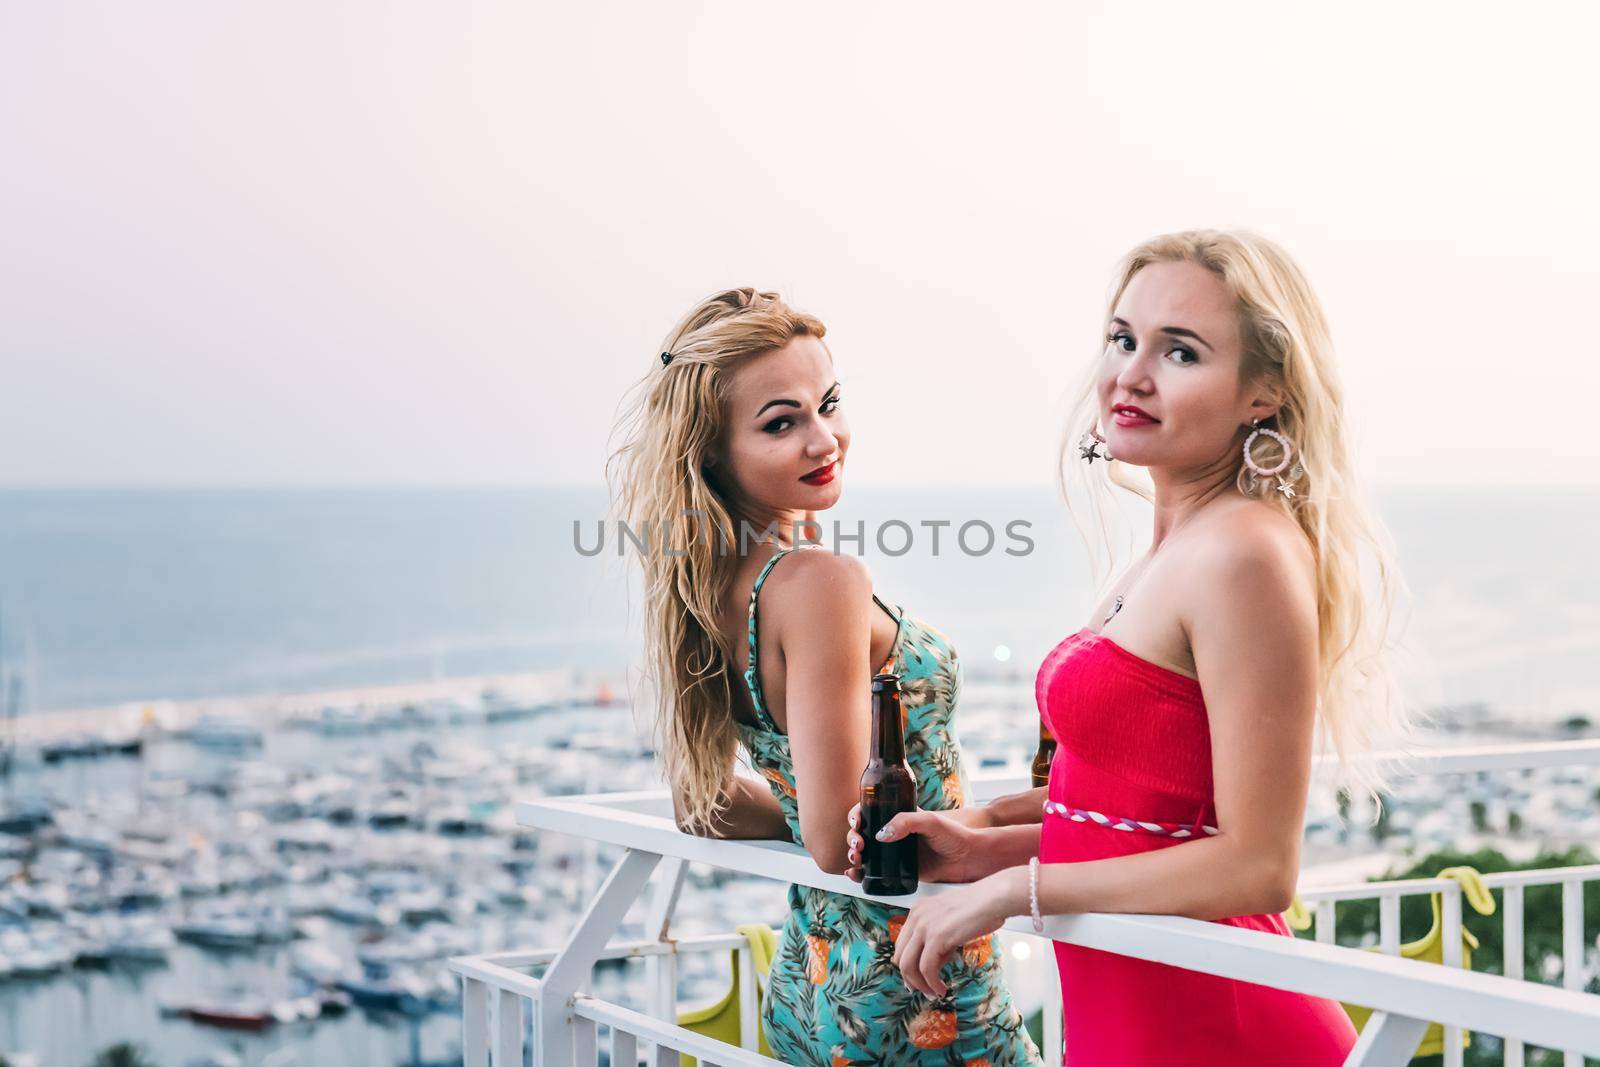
946,842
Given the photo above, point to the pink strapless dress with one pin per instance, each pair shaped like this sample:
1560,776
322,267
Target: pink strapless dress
1133,743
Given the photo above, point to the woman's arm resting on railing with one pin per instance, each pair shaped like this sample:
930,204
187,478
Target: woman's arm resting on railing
1203,879
821,608
1016,809
749,812
1253,630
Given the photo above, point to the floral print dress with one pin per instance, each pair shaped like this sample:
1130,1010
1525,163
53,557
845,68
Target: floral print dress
834,995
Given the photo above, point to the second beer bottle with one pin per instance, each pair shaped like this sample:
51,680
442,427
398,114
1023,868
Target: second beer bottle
1043,757
888,868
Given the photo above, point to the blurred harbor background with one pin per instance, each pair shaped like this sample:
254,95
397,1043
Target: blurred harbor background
267,741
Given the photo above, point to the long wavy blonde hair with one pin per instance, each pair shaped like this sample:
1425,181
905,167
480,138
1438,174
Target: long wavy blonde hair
659,482
1287,344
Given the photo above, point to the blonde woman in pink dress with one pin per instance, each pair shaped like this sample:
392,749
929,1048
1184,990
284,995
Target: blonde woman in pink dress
1187,707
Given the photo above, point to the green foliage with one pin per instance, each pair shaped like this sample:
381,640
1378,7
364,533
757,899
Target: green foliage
122,1054
1357,927
1034,1024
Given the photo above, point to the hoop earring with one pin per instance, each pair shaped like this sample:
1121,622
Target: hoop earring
1091,446
1285,484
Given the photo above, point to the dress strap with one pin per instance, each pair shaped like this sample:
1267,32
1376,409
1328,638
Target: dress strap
752,673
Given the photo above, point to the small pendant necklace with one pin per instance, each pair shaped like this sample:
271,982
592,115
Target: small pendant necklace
1117,605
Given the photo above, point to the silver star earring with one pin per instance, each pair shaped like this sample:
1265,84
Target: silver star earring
1091,446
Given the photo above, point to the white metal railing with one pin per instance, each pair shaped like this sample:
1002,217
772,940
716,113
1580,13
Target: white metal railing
1405,995
1512,885
500,971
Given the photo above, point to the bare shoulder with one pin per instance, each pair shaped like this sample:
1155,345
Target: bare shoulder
822,587
1250,555
1251,534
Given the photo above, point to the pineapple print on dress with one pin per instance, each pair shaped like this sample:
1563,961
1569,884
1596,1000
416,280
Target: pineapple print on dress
834,995
819,947
779,782
933,1027
944,765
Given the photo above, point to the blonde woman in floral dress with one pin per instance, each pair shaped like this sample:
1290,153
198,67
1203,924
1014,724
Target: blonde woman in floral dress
734,443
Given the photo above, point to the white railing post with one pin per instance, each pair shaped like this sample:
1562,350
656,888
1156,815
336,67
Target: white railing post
749,1024
585,1043
508,1029
624,1048
1325,922
474,1023
1513,959
661,972
1054,1025
1389,923
1387,1041
1452,958
664,987
553,1035
664,899
1572,947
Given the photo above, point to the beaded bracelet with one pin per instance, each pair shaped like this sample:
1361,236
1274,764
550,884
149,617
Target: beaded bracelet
1033,894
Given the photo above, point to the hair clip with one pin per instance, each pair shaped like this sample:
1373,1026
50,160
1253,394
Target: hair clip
666,357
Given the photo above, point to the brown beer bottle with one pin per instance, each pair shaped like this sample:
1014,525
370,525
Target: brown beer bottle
1042,758
888,868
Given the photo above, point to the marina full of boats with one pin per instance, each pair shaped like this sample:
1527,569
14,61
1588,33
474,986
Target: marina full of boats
234,877
285,885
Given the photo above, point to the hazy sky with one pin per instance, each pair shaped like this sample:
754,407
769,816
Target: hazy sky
383,242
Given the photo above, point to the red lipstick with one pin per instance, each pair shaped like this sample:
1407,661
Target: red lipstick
822,475
1128,415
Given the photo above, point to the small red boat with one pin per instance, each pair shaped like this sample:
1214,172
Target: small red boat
230,1019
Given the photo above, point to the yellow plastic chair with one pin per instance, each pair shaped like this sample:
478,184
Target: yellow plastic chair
1429,948
720,1019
